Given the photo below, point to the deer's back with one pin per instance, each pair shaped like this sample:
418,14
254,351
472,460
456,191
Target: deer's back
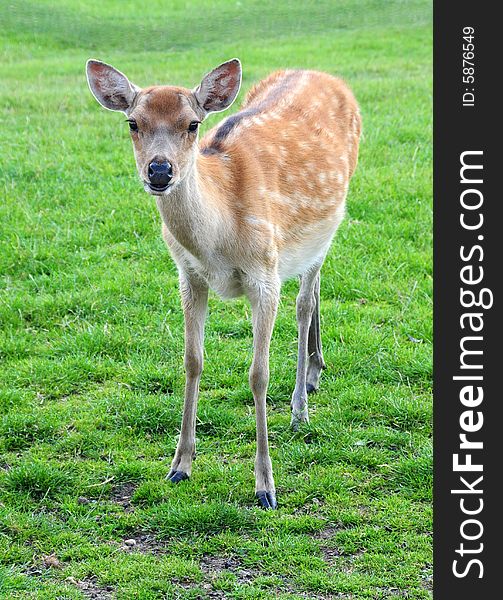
286,158
290,124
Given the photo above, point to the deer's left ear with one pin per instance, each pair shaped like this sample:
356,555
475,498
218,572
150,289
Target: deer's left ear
218,90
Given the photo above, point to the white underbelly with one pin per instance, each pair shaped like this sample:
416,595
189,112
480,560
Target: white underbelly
298,257
225,276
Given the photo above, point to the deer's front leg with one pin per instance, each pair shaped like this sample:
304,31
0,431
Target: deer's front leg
264,307
195,302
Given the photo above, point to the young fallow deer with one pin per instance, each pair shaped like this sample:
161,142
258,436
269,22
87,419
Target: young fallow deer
254,203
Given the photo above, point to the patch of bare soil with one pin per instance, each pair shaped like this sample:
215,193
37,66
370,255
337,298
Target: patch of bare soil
143,542
427,578
122,495
91,589
89,586
212,566
328,550
394,593
327,534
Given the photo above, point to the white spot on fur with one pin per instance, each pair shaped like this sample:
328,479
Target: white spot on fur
258,121
258,222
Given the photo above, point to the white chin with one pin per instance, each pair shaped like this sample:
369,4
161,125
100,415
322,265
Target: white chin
154,192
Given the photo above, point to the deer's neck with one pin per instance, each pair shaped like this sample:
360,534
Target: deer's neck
194,212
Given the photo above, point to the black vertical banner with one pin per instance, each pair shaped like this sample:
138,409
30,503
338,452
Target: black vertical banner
468,268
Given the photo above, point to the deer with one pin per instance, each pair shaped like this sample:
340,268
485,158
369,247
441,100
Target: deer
256,201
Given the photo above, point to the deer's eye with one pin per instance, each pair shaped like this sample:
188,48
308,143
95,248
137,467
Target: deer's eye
193,125
133,125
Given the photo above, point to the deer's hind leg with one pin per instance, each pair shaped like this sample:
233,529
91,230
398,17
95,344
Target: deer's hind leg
309,345
314,348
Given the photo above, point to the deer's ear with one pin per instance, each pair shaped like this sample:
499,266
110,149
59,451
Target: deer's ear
111,88
218,90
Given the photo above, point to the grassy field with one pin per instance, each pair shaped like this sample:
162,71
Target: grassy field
91,339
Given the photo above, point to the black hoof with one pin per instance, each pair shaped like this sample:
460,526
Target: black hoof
310,388
177,476
267,499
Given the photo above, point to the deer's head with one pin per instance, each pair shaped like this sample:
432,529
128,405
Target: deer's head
164,120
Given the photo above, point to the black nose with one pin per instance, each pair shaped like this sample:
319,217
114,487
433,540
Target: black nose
160,173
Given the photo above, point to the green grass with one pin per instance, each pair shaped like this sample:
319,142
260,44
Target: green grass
91,341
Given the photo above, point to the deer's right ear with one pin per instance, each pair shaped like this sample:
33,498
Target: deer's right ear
111,88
